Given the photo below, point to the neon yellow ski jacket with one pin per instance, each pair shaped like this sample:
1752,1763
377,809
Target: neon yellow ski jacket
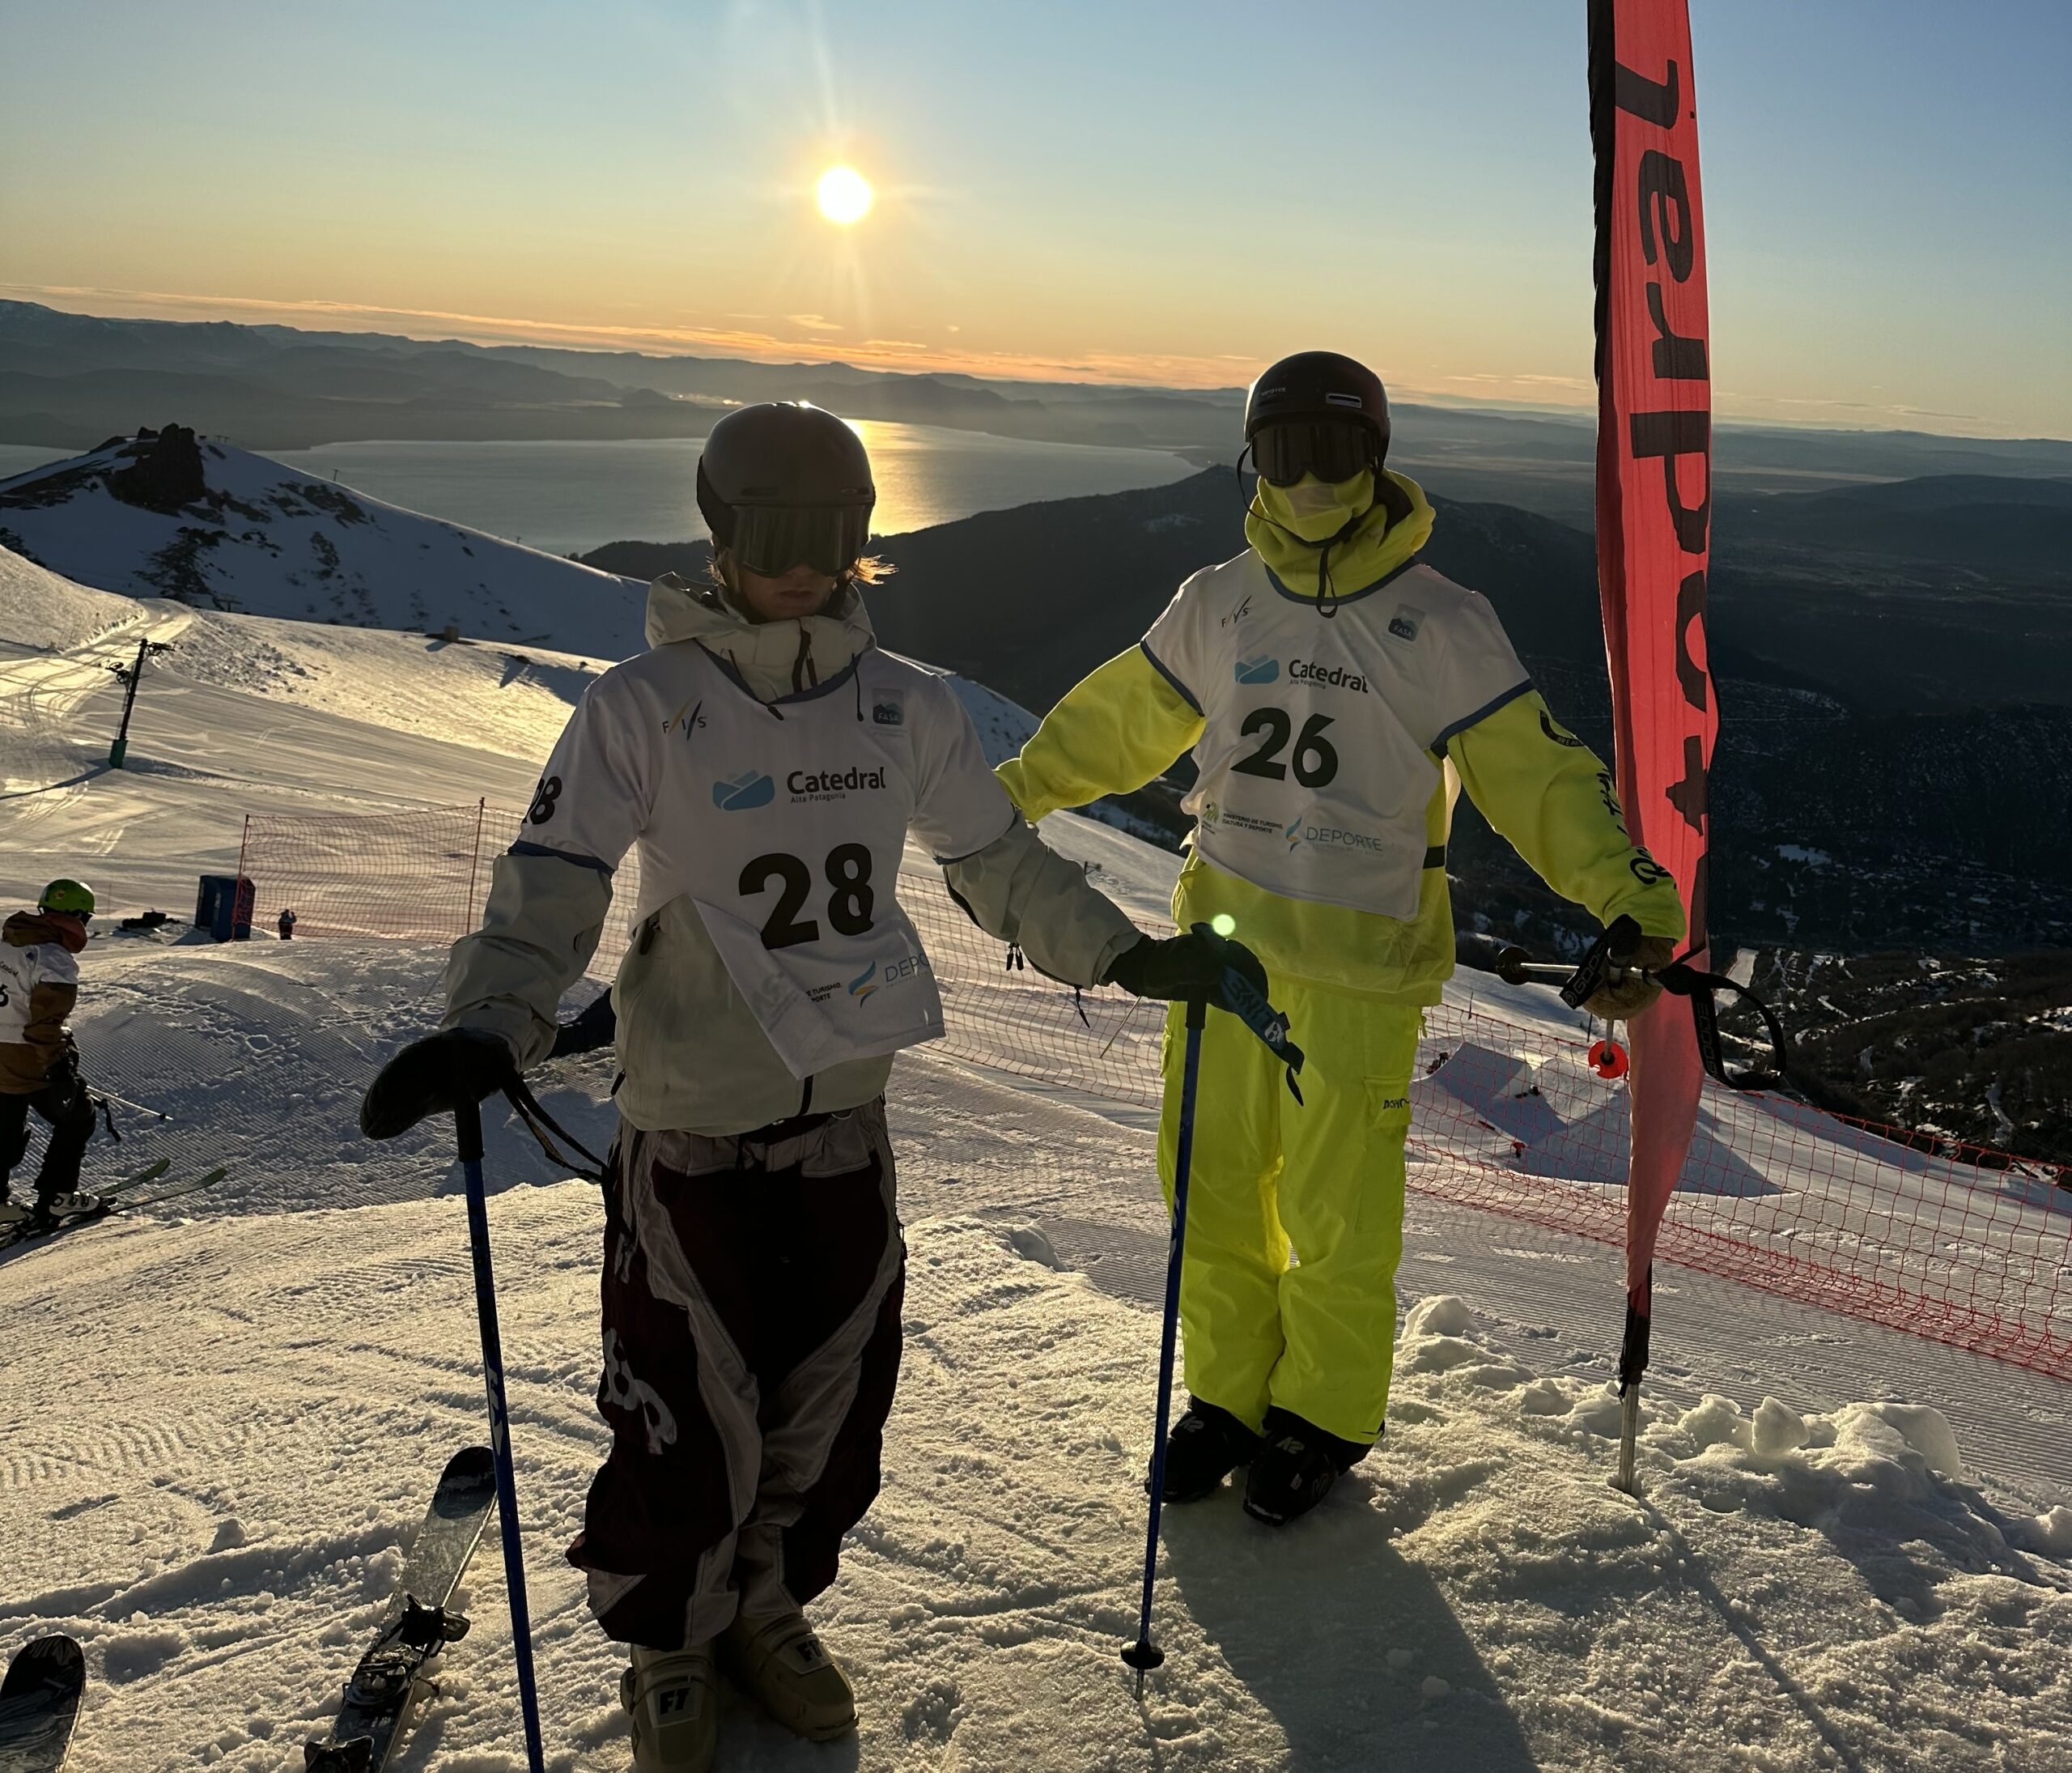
1538,785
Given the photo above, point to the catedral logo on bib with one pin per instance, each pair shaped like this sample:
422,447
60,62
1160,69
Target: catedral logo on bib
1334,677
830,784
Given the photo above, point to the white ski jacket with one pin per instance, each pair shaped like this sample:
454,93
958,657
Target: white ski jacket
766,979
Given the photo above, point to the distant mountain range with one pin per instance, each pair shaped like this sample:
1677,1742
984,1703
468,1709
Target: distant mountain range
69,380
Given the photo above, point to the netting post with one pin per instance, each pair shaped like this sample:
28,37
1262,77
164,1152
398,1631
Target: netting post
475,865
237,880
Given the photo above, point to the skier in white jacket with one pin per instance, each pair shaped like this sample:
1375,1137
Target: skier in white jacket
768,761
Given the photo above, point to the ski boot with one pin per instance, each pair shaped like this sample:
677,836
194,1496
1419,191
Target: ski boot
778,1659
1296,1465
67,1205
675,1704
11,1215
1205,1445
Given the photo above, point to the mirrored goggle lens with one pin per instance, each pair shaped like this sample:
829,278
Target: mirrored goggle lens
772,539
1330,449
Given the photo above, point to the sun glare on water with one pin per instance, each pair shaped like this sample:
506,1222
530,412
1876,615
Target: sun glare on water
844,195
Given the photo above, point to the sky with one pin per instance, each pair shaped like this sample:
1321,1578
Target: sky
1116,191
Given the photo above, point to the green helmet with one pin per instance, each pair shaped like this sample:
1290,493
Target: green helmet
74,896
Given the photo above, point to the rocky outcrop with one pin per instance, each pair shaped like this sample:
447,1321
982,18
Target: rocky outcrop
164,473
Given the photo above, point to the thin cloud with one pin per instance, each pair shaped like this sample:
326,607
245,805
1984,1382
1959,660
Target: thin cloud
813,323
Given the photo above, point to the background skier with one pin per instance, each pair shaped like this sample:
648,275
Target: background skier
39,1065
768,761
1337,694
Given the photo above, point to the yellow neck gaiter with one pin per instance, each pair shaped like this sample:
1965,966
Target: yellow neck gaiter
1291,527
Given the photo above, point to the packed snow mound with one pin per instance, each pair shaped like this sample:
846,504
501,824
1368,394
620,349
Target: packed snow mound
42,611
169,514
496,697
219,1510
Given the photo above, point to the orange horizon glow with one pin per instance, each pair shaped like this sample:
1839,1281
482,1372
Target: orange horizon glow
1568,395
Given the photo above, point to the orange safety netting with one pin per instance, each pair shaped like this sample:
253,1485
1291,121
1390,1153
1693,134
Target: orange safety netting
1955,1242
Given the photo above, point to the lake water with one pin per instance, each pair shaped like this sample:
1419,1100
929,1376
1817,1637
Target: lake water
570,497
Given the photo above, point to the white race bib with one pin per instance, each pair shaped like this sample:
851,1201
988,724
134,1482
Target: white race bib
792,854
1323,736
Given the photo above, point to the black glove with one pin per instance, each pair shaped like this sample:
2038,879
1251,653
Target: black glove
432,1076
1189,968
1202,966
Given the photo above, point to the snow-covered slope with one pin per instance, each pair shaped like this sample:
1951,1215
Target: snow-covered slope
41,611
233,1417
217,1509
166,514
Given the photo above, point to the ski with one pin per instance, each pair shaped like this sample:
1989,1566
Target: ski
391,1675
149,1173
33,1228
38,1704
207,1181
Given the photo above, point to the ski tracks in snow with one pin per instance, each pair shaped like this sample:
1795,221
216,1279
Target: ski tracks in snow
216,1502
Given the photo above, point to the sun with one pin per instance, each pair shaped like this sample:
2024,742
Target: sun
844,194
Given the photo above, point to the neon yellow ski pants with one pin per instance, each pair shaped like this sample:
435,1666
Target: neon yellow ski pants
1317,1337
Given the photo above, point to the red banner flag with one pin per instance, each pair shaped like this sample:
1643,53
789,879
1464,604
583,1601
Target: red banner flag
1653,519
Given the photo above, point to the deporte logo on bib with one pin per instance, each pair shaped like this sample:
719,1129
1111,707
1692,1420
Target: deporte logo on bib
1260,671
891,974
749,789
1331,837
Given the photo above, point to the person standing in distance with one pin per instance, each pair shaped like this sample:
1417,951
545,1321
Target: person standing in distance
768,761
39,1065
1337,694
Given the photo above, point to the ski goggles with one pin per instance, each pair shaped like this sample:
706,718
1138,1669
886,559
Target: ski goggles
772,539
1332,449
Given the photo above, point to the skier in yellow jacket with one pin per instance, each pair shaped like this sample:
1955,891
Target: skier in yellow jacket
1337,694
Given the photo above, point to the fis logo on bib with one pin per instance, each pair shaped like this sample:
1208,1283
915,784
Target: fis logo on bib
750,789
890,973
1259,670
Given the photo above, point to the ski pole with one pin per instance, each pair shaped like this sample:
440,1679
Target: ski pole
1144,1655
124,1102
467,1128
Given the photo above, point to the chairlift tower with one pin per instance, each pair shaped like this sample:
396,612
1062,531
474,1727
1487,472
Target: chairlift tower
130,676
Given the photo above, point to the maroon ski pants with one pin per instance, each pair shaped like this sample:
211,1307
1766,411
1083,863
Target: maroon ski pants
752,1290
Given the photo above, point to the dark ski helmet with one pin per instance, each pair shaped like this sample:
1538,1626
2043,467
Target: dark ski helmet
787,483
1316,413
